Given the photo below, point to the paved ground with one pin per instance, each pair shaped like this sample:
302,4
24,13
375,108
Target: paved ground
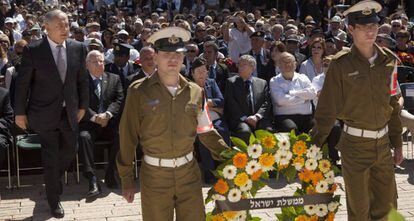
28,203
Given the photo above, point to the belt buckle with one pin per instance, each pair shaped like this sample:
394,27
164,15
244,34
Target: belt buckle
174,162
377,134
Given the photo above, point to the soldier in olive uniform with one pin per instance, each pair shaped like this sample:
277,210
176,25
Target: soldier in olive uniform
165,113
360,89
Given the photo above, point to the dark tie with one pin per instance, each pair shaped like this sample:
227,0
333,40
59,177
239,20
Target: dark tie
121,71
249,96
212,73
258,65
60,63
98,92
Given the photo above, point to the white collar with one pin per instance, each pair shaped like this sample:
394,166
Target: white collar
54,44
94,78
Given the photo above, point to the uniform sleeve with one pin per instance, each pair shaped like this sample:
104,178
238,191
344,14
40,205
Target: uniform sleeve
394,125
329,104
128,138
209,136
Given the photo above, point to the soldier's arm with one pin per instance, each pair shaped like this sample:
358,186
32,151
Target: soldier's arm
328,105
128,138
394,125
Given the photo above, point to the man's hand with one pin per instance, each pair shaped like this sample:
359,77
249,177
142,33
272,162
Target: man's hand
252,121
21,121
128,194
81,113
102,119
210,103
398,156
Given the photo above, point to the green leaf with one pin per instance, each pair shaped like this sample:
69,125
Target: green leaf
299,210
393,215
217,173
289,211
290,174
252,139
304,137
325,151
209,216
292,135
336,169
227,154
280,216
209,196
255,219
239,143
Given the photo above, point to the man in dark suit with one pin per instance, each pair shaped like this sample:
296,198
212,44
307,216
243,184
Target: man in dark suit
247,101
100,120
216,70
6,121
261,55
147,65
122,66
52,94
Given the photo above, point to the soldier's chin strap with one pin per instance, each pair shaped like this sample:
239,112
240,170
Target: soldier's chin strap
274,202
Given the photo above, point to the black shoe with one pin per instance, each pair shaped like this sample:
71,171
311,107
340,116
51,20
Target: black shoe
110,181
57,211
94,189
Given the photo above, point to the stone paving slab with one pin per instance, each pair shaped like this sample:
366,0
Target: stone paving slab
29,202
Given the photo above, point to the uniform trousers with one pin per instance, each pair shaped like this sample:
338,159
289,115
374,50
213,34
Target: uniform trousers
164,190
368,171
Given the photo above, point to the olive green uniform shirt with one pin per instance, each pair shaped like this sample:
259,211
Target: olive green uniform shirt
359,94
164,125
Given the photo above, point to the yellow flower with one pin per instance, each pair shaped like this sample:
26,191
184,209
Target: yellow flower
240,160
305,175
302,218
229,214
333,188
217,217
313,218
256,175
266,161
281,167
310,190
299,160
268,142
299,148
241,179
324,166
316,177
221,187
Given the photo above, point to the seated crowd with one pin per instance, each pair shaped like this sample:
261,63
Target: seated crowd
259,70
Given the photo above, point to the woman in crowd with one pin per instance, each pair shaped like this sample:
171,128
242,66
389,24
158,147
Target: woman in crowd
275,50
313,66
215,103
291,94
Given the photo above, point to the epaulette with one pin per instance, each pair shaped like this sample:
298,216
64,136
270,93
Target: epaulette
341,54
135,85
391,53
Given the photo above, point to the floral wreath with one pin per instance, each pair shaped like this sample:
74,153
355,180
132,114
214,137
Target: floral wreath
246,167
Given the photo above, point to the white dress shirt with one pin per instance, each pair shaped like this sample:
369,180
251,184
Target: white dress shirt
308,68
239,43
55,50
291,97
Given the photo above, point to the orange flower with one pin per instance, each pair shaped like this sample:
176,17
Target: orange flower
281,167
305,175
267,160
241,179
333,188
221,187
299,160
269,142
313,218
299,148
217,217
240,160
256,175
229,214
302,218
330,217
310,190
316,177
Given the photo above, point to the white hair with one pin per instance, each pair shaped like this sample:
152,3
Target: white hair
94,53
248,58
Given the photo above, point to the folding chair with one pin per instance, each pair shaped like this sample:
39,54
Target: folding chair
28,142
8,170
405,74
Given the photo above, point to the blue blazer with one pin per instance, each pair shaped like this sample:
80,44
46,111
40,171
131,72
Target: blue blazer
213,92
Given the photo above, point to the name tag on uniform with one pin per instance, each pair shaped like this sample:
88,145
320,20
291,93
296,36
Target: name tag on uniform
353,74
153,103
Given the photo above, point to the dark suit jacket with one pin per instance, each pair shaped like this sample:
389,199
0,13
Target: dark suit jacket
235,106
222,73
213,92
112,96
6,114
40,92
131,78
132,69
261,67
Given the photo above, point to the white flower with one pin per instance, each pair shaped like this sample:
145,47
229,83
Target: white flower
298,166
229,172
314,152
332,206
310,209
234,195
330,177
247,186
252,166
218,197
284,144
322,186
254,151
321,210
241,216
311,164
286,157
278,156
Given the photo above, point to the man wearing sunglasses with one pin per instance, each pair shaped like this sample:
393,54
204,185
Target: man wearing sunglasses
359,89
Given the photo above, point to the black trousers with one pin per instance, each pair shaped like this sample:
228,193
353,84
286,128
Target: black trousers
243,130
298,122
3,149
333,140
58,151
89,133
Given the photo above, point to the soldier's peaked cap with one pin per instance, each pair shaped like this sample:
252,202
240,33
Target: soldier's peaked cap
171,39
364,12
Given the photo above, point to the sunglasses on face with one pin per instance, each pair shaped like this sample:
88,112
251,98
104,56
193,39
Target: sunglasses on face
191,50
316,47
396,26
